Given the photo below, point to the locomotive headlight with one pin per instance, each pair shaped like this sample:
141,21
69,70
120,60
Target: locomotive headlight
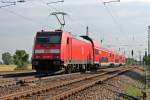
37,51
54,50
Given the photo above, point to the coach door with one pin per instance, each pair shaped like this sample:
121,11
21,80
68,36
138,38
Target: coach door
69,49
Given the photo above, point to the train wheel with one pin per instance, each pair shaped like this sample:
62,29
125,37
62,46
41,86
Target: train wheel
73,68
94,68
68,69
112,65
83,69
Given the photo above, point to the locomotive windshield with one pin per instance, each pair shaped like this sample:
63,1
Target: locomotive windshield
48,38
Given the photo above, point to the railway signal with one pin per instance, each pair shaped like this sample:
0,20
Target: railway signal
132,53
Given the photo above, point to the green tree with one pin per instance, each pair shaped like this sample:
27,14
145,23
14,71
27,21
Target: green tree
146,59
7,58
130,61
21,58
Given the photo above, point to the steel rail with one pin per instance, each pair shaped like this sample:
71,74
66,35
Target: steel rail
40,89
4,82
57,85
85,86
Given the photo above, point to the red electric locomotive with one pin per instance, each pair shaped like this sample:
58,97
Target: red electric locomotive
59,50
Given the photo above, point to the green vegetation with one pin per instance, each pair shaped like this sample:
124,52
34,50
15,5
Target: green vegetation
130,61
7,58
21,59
148,71
148,74
13,68
134,91
1,63
146,59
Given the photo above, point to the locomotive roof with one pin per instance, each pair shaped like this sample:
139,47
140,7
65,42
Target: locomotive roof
78,37
49,32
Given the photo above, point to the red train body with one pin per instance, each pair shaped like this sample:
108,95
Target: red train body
59,50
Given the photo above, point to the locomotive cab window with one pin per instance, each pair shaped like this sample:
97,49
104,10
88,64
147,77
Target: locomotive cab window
54,39
42,40
48,38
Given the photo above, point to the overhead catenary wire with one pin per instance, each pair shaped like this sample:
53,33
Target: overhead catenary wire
113,18
10,3
117,17
23,17
7,5
54,2
118,22
37,22
62,4
50,5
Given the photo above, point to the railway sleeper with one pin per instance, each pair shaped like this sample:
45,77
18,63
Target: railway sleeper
83,87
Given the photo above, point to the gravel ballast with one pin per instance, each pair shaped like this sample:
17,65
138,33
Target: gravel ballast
114,89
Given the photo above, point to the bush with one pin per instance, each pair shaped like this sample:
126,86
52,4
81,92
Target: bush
7,58
146,60
21,59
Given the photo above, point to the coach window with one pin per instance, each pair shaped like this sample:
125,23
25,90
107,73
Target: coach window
96,51
104,59
116,60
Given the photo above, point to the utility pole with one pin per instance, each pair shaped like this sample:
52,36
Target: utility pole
140,57
132,53
145,52
148,40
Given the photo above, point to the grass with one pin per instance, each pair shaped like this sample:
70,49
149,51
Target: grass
7,68
148,76
134,91
12,67
148,71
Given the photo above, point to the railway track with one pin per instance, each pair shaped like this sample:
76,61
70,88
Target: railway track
17,73
10,79
59,88
37,82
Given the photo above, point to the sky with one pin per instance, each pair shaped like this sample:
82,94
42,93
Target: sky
121,25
